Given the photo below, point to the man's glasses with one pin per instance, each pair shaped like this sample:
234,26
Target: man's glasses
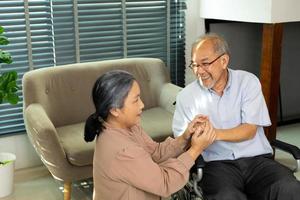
204,65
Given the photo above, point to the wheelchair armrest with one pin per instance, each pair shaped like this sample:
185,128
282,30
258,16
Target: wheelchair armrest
289,148
199,164
197,169
197,173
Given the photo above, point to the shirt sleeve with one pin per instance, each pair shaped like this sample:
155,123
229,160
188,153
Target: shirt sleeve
254,108
135,166
162,151
182,116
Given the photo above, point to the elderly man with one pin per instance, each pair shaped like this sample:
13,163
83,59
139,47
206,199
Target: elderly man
239,164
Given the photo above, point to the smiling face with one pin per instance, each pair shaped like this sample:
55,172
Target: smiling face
130,114
209,67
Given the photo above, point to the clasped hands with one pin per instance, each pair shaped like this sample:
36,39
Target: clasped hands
200,133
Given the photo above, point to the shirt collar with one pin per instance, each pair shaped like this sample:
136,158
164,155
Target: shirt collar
229,81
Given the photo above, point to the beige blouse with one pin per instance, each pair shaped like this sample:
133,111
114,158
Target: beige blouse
129,165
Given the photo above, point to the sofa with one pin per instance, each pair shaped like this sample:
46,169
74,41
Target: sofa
57,101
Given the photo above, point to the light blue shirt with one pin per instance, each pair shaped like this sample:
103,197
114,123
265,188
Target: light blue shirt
242,102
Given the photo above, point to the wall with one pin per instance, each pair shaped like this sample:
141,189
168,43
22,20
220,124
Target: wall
194,28
21,147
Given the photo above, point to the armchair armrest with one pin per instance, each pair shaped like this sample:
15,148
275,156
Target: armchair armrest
43,136
289,148
168,96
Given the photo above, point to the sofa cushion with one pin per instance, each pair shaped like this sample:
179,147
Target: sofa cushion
157,122
79,152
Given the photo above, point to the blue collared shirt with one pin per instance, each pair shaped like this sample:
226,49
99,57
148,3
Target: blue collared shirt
242,102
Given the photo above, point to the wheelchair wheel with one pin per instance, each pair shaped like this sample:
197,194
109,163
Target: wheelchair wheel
186,193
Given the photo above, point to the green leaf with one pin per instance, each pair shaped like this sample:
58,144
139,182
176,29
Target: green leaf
1,96
1,29
9,87
12,98
12,86
10,76
3,40
5,162
5,57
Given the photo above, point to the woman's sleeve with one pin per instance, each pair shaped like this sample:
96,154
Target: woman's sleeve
135,166
162,151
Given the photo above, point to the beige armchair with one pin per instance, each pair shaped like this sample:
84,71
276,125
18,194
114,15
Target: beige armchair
57,101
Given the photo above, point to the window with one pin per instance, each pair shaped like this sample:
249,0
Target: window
46,33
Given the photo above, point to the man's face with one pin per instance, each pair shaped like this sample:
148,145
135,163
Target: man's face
209,66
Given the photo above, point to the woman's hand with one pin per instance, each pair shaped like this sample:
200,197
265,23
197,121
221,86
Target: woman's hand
198,123
201,139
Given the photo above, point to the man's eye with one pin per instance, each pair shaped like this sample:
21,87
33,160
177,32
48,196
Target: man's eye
205,64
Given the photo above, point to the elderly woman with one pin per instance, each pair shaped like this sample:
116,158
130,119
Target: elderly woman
128,164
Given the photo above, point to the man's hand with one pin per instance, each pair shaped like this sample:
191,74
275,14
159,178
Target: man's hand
201,139
198,123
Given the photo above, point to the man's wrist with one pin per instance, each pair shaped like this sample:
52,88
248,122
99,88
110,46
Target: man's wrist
218,134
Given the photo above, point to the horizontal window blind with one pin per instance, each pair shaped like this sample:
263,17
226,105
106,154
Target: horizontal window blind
12,18
147,29
68,31
41,33
100,30
64,32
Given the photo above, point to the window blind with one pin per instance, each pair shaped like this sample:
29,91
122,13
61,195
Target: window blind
147,29
12,18
100,30
68,31
64,32
40,21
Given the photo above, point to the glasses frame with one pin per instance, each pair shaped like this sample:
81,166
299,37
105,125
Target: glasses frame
204,65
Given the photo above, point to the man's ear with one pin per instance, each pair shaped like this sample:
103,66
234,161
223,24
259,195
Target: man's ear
114,112
225,60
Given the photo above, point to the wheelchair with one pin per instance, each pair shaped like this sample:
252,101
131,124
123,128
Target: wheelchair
192,190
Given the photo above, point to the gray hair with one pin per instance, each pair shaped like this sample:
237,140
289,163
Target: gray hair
109,91
219,43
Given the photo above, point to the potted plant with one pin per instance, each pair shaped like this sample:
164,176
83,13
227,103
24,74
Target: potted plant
8,93
8,80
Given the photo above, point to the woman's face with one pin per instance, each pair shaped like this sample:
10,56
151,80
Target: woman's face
130,114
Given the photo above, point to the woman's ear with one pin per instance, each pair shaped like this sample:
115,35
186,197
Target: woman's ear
114,112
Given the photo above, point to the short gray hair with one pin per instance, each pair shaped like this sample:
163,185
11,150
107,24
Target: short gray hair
219,43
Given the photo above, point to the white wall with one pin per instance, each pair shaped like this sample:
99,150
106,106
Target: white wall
22,148
194,28
261,11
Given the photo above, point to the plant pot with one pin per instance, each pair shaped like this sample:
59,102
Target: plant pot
7,173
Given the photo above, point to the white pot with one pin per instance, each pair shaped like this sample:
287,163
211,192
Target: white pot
7,174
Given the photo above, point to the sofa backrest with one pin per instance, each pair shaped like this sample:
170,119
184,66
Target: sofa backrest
65,91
